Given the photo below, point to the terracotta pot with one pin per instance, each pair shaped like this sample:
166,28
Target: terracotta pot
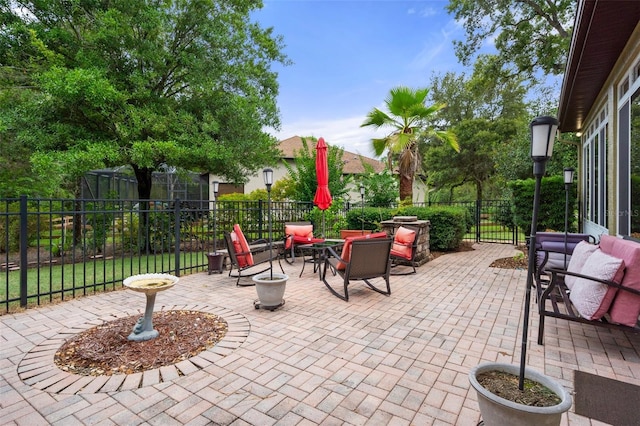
344,233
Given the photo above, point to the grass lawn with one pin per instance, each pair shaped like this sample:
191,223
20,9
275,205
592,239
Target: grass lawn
56,282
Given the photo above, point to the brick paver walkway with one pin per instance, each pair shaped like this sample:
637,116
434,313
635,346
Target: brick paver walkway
375,360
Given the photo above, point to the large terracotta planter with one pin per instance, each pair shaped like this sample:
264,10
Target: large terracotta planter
499,411
270,288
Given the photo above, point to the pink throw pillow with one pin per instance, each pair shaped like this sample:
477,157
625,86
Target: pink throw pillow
581,253
625,308
591,298
402,241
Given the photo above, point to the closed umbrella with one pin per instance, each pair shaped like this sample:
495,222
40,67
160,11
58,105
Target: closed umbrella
323,195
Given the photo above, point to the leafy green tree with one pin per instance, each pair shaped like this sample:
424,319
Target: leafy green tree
381,189
486,114
479,140
530,35
180,83
302,174
410,121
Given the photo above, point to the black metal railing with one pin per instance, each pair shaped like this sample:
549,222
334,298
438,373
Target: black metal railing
56,249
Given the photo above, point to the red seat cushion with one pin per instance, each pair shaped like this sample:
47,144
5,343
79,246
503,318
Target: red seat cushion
346,248
306,240
245,259
402,242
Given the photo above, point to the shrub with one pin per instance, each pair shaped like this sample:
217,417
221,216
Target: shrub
552,204
449,224
372,217
35,222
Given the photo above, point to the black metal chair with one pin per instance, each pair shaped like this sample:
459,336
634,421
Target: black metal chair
251,262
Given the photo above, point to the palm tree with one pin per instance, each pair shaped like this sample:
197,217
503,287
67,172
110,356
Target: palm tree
410,120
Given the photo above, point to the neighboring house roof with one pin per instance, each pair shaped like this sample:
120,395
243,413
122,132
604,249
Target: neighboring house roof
601,31
352,162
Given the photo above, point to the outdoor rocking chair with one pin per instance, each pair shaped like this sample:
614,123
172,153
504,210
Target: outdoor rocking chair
361,259
249,259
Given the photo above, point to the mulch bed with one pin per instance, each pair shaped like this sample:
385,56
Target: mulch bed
105,349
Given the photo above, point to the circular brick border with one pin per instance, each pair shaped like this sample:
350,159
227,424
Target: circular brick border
38,369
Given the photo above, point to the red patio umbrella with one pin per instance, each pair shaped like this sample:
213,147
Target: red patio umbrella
323,195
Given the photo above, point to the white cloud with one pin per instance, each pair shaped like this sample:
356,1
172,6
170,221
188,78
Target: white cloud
428,11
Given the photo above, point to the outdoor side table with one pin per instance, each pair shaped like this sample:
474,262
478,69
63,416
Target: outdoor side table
216,263
317,253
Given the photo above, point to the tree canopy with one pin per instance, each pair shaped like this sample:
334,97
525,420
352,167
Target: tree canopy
530,35
487,114
410,121
185,83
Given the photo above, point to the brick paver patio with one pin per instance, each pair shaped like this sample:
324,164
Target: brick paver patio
375,360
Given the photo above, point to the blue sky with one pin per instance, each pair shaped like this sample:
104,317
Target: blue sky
348,54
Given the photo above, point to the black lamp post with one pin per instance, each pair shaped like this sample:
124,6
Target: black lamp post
267,175
362,206
543,133
216,186
568,180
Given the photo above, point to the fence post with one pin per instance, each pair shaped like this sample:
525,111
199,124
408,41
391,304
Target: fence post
24,242
260,218
478,218
176,231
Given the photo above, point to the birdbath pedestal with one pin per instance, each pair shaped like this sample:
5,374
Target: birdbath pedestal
150,285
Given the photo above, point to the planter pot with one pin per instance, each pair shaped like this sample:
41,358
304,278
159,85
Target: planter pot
270,289
215,263
499,411
345,233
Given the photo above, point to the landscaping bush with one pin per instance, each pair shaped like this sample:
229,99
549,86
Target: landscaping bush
448,224
372,217
552,204
35,223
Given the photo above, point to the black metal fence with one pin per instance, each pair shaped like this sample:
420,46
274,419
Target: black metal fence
55,249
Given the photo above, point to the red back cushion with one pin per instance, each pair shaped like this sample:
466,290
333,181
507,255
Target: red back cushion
301,231
346,248
244,259
402,241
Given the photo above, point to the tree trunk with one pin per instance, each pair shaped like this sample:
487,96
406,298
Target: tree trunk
406,189
144,175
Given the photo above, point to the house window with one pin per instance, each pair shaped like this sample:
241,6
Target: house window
629,167
595,174
634,159
624,88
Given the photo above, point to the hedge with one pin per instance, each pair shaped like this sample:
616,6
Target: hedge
552,204
448,224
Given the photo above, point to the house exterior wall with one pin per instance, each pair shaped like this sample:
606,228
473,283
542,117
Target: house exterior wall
601,190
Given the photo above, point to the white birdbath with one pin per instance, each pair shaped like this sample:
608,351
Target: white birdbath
150,285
